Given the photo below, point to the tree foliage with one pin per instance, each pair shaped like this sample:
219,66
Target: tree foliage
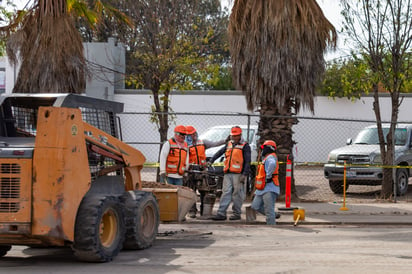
173,45
7,11
346,78
98,20
381,32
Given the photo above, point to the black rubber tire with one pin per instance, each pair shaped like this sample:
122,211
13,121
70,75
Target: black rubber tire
402,181
337,186
142,219
99,230
4,249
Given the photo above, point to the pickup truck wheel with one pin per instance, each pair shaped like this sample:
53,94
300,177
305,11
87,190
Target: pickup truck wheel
142,219
402,181
4,249
99,230
337,186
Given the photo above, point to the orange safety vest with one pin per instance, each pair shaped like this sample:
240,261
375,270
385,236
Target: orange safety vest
260,181
234,158
176,160
197,153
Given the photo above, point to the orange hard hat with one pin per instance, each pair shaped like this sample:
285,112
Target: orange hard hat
269,143
235,131
190,130
181,129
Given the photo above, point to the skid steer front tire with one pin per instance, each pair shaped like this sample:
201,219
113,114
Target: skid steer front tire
141,218
99,230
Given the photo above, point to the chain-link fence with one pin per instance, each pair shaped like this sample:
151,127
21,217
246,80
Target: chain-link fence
315,139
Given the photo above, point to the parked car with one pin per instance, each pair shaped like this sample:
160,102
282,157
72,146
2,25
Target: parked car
216,133
365,151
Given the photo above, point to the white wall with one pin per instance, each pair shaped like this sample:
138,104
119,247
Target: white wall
315,137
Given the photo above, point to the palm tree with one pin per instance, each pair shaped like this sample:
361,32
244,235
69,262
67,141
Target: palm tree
277,52
48,45
50,50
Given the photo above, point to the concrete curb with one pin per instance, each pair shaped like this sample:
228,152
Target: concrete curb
397,214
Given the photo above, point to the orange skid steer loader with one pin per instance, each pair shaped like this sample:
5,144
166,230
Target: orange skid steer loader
66,179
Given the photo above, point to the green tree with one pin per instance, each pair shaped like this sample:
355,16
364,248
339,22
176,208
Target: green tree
381,33
277,52
174,45
346,78
7,11
98,20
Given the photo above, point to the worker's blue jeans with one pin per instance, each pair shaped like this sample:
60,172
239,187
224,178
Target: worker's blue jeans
232,190
175,181
265,204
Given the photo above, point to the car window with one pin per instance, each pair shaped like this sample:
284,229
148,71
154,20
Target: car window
251,134
369,136
217,134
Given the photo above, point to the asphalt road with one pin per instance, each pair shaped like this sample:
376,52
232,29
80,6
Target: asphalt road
240,248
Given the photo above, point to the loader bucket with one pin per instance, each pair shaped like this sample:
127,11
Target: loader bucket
174,203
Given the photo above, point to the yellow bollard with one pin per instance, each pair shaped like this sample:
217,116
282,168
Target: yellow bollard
298,214
344,208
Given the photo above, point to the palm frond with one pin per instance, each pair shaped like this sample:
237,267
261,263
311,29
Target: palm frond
277,50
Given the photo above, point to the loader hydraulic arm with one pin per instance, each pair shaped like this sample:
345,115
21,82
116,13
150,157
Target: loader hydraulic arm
132,160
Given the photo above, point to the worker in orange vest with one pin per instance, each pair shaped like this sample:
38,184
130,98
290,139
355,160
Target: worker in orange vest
267,183
236,170
174,157
197,157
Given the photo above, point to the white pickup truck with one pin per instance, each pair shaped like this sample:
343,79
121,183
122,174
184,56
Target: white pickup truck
363,153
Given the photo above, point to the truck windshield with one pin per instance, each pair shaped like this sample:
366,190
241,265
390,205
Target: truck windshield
369,136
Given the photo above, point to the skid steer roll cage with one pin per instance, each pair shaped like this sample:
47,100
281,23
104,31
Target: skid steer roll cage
18,118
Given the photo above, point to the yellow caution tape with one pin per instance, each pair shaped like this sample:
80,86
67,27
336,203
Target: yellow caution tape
154,164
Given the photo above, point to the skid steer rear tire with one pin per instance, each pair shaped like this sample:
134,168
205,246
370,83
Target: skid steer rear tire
141,218
99,230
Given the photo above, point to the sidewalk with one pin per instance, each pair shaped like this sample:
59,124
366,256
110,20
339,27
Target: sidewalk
384,213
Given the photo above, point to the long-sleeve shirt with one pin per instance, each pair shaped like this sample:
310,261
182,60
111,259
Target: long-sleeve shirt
209,144
163,159
270,167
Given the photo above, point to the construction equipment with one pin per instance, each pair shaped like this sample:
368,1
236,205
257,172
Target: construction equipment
205,180
66,178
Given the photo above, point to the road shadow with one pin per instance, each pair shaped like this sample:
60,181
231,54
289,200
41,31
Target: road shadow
62,260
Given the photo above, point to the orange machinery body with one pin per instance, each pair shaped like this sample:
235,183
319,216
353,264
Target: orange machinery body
46,191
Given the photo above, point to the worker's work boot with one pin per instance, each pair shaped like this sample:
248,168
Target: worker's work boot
234,217
218,217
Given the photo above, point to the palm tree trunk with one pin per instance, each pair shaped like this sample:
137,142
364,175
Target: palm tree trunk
276,124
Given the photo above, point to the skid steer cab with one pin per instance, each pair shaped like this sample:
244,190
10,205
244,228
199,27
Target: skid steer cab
66,179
